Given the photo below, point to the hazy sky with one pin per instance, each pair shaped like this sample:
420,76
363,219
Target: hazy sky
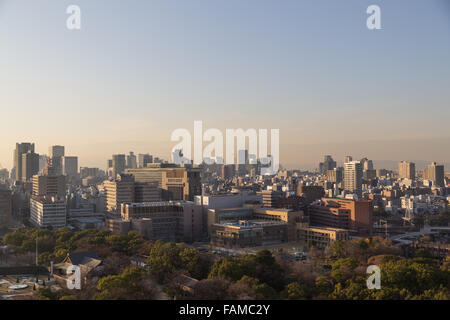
139,69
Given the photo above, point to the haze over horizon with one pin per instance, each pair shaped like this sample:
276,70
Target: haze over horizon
133,74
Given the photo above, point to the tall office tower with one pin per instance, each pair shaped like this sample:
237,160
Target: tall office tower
47,203
435,173
5,207
406,170
30,165
144,159
131,160
70,167
21,148
56,153
118,164
348,159
336,175
366,164
119,190
327,164
353,177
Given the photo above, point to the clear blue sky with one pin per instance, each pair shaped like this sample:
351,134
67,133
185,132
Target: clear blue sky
139,69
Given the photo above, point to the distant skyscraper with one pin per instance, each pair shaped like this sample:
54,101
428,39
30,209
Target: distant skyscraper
353,177
242,162
406,170
336,175
118,164
348,159
144,159
70,166
435,173
327,164
30,165
366,164
43,161
131,161
21,148
56,153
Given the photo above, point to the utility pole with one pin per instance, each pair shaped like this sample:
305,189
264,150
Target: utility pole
37,257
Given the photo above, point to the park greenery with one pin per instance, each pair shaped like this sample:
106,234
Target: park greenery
338,272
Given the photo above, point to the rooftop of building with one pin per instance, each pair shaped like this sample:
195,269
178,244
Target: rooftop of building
325,228
249,224
158,204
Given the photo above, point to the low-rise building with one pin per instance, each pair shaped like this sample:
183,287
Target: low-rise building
321,237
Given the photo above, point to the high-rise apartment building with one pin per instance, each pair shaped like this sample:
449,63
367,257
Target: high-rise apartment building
406,170
353,177
348,159
435,173
21,148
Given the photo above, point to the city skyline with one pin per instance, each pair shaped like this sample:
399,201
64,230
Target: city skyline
312,70
389,164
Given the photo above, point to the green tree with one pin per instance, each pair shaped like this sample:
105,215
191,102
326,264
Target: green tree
126,286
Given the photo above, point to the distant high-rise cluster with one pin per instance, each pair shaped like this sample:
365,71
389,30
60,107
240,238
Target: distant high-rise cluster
435,173
406,170
327,164
26,162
